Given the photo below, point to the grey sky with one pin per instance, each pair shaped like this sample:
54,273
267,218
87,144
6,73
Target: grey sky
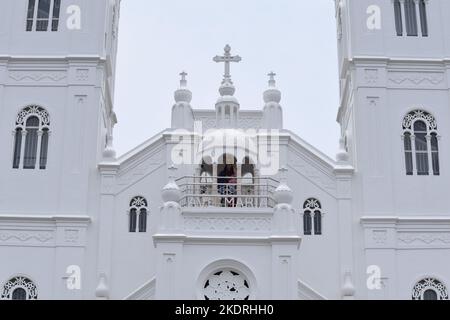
294,38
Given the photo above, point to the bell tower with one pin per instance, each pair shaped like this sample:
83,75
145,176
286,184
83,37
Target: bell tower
57,77
57,72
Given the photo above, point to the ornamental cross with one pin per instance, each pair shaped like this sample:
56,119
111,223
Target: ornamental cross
183,81
227,58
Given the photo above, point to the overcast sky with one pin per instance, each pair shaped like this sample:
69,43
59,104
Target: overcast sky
294,38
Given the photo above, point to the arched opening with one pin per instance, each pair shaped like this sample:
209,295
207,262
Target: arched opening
430,289
227,182
430,294
19,288
19,294
421,144
137,220
31,138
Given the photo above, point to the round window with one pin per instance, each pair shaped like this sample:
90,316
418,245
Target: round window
226,284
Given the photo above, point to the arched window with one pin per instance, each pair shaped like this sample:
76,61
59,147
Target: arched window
411,18
40,12
398,17
19,288
312,210
307,223
31,137
430,289
423,17
421,144
138,215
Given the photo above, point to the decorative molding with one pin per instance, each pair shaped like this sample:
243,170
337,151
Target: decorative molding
416,78
424,238
26,236
371,76
71,236
379,237
26,112
82,74
227,224
38,75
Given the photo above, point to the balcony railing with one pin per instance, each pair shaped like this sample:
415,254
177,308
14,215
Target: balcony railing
227,192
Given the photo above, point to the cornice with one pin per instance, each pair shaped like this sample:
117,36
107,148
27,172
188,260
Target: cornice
20,218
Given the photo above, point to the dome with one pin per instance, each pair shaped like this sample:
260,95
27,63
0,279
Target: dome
171,192
272,95
183,95
227,89
215,142
283,194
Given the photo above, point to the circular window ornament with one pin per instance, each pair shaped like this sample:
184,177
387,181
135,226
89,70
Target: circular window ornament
226,284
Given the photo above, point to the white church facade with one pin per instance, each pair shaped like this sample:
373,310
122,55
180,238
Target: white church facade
227,203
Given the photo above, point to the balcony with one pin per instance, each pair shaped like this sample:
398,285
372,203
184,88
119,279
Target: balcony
227,192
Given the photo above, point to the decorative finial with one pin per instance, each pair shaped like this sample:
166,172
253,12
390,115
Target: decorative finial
172,172
183,94
272,81
171,192
342,155
283,194
272,94
183,81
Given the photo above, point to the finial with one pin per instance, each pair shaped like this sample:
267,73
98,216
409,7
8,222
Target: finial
272,94
171,192
172,172
183,94
183,81
283,194
283,174
342,155
272,81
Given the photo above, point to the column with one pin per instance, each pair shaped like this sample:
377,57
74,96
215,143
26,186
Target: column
344,186
403,10
414,159
22,148
430,156
38,151
419,29
108,177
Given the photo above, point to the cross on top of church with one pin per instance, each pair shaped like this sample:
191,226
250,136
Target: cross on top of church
272,78
183,80
227,58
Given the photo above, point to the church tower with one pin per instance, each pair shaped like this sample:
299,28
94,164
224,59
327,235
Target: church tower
57,75
394,74
394,115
